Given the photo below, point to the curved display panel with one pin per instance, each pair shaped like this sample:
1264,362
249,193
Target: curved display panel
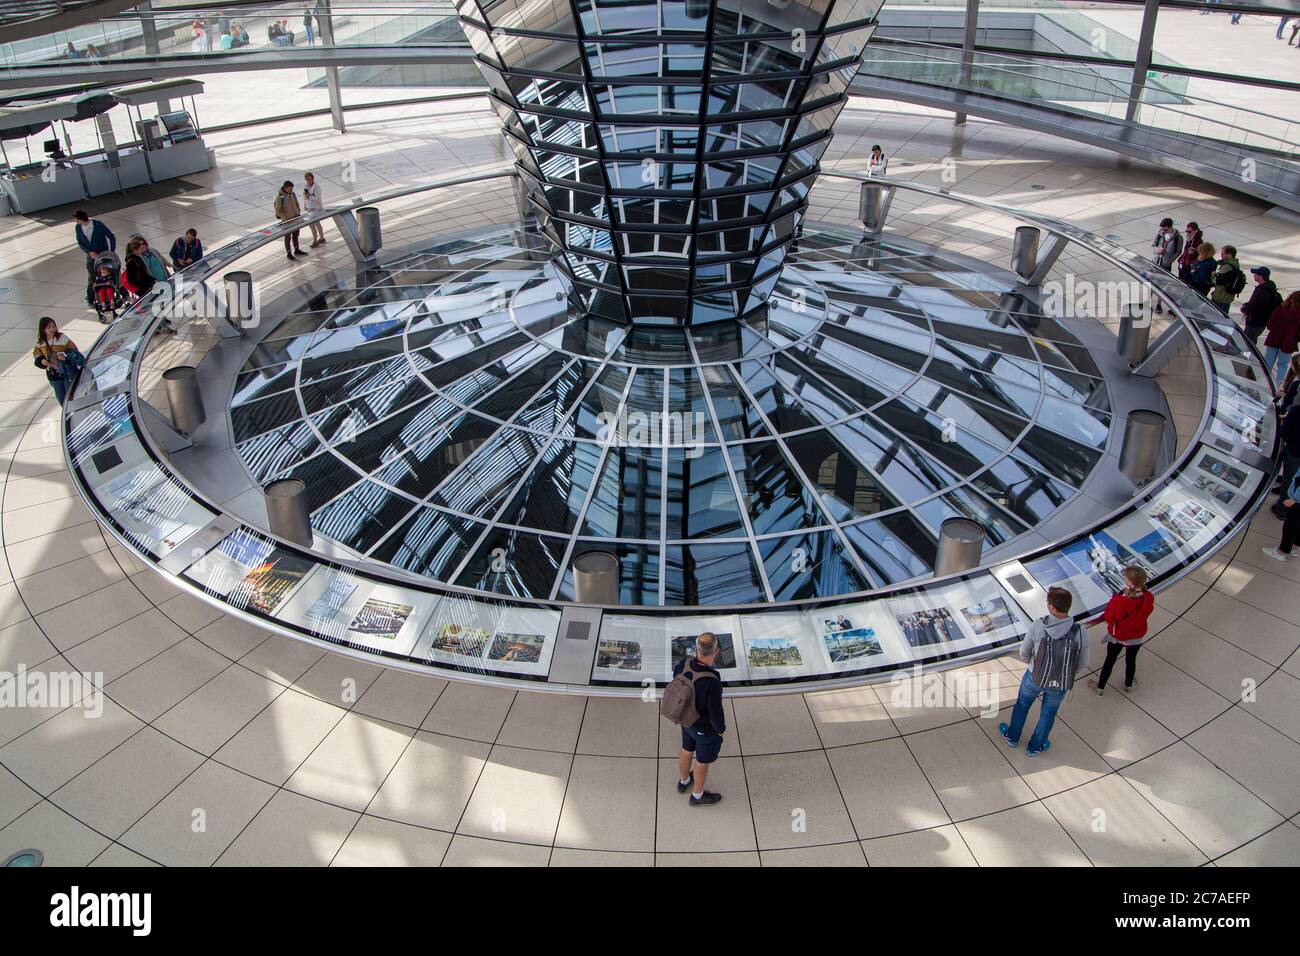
1181,517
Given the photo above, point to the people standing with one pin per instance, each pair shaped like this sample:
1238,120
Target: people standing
1056,650
286,208
877,164
1264,298
313,202
1289,388
93,237
693,701
1290,522
139,278
186,250
1126,618
200,37
58,356
1229,280
1191,244
1201,276
154,262
307,26
1168,245
1289,436
1283,336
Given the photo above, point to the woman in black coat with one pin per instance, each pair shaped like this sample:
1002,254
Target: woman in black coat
138,277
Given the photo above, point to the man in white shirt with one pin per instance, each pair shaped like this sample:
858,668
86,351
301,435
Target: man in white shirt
312,202
876,165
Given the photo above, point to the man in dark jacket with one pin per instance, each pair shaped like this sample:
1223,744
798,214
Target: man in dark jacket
703,739
93,237
1263,300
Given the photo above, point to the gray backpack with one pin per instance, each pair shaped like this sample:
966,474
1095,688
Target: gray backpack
1055,660
678,704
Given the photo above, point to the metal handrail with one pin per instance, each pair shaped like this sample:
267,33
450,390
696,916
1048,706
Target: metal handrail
1115,255
1021,61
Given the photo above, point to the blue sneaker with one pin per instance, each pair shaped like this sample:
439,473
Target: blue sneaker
1002,729
1034,753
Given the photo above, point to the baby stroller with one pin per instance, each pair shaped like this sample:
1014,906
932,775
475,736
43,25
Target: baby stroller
107,292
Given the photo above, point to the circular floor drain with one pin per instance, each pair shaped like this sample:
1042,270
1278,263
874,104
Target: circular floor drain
24,858
1037,186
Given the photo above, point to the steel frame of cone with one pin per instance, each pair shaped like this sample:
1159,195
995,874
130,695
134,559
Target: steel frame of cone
668,147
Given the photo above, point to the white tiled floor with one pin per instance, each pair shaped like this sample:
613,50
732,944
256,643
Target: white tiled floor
221,744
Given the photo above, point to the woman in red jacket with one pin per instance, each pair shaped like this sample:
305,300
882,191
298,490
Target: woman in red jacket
1126,626
1283,333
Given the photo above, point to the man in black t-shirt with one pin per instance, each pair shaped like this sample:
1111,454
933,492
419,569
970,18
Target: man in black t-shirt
703,739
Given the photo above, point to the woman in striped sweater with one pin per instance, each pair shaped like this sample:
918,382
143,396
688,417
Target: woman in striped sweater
58,355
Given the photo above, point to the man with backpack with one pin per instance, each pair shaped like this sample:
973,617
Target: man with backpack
1056,649
693,701
1229,280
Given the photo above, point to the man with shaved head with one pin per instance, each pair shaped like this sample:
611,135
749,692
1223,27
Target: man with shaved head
702,740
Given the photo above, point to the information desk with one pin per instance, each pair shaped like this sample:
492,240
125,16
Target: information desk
101,177
173,145
29,191
177,159
25,187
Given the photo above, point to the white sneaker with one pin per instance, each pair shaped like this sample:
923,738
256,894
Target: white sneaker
1275,554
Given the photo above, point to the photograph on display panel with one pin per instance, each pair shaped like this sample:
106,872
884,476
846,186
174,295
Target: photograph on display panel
155,513
782,644
340,606
489,637
1091,569
959,615
250,572
632,648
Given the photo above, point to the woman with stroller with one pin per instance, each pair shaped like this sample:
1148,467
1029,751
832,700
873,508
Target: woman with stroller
57,354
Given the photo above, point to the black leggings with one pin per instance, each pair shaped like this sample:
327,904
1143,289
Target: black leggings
1112,654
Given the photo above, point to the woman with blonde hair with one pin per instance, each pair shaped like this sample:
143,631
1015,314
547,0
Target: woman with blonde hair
1200,275
1126,626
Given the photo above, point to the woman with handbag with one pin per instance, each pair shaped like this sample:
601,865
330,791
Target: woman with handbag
57,354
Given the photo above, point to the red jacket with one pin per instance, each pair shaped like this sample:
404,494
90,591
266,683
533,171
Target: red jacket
1283,329
1126,617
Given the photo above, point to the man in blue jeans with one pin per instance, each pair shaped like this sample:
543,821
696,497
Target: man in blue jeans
1056,649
